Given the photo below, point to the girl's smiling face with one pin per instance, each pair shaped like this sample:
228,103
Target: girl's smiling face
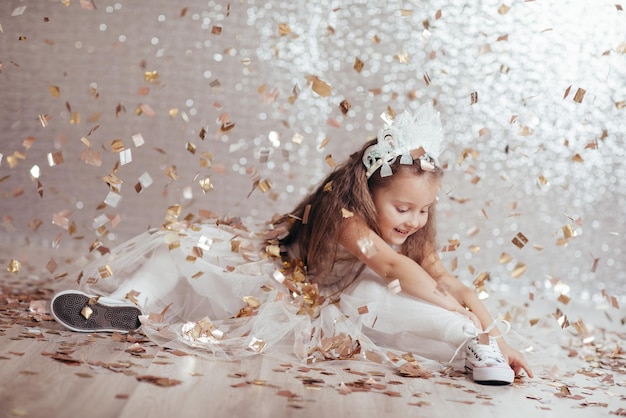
403,205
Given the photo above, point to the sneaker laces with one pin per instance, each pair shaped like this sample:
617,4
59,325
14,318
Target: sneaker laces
471,331
488,354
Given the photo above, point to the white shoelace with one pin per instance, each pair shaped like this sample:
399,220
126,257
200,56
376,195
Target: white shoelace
471,331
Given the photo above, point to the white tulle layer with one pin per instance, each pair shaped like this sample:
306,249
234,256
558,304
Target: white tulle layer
194,275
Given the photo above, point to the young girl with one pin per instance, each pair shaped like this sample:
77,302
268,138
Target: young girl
351,273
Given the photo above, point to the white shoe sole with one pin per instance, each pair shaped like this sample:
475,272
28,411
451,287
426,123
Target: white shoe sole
491,375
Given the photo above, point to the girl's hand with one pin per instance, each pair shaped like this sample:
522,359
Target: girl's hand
470,315
515,359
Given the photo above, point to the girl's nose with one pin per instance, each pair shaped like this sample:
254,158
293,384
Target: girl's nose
413,222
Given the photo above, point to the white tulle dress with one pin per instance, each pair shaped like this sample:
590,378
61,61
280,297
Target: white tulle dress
219,290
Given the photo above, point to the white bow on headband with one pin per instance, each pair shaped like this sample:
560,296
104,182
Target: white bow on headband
417,136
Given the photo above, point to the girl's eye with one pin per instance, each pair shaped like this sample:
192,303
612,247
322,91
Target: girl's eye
402,210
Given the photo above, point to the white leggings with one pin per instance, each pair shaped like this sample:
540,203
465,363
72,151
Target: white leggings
404,322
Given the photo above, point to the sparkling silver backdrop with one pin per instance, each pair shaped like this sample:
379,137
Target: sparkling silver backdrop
113,111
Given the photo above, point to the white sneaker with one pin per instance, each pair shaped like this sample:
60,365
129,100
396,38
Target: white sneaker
83,313
486,362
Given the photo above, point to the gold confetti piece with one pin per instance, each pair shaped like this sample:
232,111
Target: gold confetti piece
452,245
14,266
402,57
568,231
105,271
44,119
346,213
284,29
257,345
567,90
564,299
505,258
171,172
328,187
320,87
561,319
206,184
159,381
330,161
88,4
297,138
427,79
74,118
273,250
358,65
577,158
35,224
406,12
55,91
145,109
473,97
345,106
252,301
86,312
55,158
117,145
227,126
305,216
151,76
479,282
520,240
51,266
473,231
580,94
264,185
216,30
519,270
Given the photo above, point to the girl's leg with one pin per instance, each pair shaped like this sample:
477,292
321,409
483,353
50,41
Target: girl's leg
404,323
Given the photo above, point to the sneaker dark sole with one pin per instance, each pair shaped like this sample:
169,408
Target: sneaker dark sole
76,311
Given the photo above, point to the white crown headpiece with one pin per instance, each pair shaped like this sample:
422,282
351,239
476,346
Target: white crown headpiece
410,137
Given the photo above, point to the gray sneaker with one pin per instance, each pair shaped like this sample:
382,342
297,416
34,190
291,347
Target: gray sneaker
83,313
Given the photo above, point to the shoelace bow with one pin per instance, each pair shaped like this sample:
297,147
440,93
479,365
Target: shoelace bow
471,331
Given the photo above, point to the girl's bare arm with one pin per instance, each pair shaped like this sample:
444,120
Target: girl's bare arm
388,264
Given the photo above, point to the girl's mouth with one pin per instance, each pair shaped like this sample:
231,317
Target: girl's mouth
401,232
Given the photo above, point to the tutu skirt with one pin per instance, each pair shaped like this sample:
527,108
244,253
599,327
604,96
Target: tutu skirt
215,290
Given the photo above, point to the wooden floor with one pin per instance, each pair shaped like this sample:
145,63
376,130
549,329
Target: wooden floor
46,371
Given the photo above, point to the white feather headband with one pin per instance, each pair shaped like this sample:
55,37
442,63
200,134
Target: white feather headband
417,136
